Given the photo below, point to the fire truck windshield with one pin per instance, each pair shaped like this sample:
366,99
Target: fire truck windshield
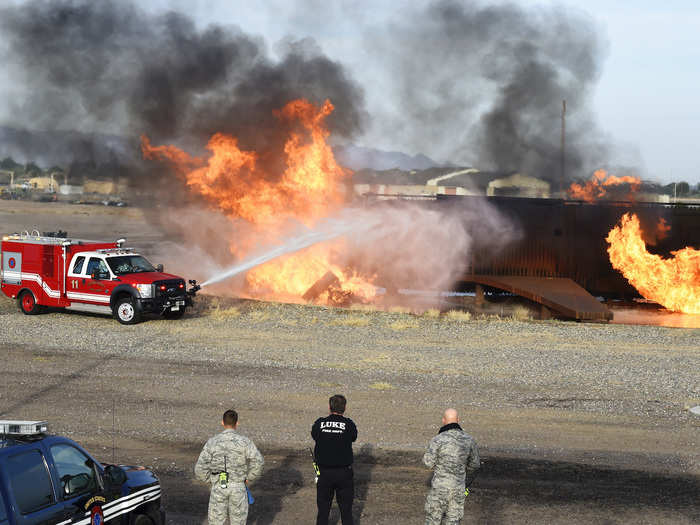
122,264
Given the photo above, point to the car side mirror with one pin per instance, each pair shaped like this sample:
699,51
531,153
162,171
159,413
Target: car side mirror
115,475
159,268
77,484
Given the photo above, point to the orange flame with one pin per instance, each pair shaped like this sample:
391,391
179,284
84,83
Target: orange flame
309,189
673,283
596,188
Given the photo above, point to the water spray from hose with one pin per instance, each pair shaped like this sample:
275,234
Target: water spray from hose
330,229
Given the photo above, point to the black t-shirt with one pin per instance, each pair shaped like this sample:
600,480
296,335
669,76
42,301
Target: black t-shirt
334,436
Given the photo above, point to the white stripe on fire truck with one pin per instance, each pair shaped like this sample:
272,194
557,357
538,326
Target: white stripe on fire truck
121,505
23,276
88,297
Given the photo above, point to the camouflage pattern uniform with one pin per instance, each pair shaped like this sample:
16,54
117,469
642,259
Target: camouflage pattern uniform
454,456
243,462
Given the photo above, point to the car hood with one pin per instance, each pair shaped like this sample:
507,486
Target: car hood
147,277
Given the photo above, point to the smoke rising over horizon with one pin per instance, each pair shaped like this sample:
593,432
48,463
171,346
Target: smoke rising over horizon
111,66
469,82
482,84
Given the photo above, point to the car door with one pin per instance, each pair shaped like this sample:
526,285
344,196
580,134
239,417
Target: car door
3,511
80,487
31,488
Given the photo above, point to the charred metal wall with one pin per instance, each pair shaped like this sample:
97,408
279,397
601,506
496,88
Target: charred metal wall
567,238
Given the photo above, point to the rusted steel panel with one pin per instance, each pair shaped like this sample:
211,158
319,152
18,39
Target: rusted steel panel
567,239
561,295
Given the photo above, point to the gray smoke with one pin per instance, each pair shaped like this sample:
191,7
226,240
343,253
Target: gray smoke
110,66
463,81
483,85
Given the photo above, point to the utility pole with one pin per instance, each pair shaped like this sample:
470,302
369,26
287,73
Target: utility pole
563,145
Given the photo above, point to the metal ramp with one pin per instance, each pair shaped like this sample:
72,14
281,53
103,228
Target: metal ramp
561,295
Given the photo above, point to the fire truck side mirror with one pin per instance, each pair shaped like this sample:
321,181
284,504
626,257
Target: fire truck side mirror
159,267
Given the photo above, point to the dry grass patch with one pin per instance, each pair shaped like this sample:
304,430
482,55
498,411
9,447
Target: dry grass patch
399,310
432,313
397,326
355,320
223,314
521,313
377,359
258,316
326,384
381,386
364,307
458,316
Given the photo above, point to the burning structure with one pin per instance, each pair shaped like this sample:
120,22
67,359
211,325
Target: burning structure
610,248
412,246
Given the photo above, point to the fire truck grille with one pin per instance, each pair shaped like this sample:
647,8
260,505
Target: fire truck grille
171,288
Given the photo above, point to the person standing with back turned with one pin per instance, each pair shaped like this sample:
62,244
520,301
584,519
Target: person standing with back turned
227,462
334,436
454,457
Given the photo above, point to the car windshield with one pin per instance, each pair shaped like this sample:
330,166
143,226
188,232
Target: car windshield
122,264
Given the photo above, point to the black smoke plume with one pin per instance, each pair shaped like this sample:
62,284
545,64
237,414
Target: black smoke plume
100,66
467,82
483,85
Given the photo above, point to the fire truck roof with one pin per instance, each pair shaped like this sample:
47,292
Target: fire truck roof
51,241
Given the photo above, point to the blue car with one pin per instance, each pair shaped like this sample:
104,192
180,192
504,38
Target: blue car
47,479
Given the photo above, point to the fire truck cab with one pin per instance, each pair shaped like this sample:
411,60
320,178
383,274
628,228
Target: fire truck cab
89,276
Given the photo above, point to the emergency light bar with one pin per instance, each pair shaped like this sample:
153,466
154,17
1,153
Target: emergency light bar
23,428
116,251
33,238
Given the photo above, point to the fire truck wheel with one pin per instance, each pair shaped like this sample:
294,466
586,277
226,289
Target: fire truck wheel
27,303
177,314
125,311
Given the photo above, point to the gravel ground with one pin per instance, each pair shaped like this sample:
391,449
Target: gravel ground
642,377
566,414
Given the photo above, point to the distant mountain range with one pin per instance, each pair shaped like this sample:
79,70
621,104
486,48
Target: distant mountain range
357,158
48,148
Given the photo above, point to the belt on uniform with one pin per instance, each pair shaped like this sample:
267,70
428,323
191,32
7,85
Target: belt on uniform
335,466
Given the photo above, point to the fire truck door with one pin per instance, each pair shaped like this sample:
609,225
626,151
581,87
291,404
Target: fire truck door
12,267
80,285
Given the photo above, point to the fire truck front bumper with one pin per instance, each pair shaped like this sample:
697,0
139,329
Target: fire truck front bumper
159,305
170,296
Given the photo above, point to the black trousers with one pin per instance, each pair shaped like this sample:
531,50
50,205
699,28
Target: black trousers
338,481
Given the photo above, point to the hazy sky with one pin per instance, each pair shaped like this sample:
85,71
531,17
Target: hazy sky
645,101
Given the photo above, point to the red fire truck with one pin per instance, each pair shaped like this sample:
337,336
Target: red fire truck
88,276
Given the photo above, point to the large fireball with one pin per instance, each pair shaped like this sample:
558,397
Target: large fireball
673,283
309,189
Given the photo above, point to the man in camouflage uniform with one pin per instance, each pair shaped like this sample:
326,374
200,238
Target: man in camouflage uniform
454,457
237,455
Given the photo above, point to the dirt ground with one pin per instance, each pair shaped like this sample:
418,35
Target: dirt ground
163,425
576,423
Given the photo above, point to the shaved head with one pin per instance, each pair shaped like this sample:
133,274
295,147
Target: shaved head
450,416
